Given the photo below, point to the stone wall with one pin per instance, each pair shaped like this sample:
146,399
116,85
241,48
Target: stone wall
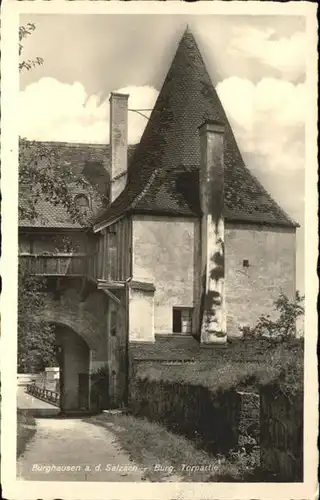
89,318
193,411
263,420
259,264
141,315
271,256
75,364
249,414
281,434
243,406
163,254
28,378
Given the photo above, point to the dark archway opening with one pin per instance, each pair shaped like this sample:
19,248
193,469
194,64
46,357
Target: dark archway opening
73,356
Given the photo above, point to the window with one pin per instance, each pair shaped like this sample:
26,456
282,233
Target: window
82,202
245,263
182,320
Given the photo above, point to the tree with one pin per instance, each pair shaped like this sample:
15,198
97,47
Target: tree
41,177
25,31
36,337
284,324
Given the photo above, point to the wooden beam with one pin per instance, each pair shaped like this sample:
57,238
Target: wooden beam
111,296
140,285
102,284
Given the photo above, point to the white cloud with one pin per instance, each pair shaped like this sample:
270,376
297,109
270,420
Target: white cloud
268,121
286,54
237,96
55,111
265,116
268,118
143,97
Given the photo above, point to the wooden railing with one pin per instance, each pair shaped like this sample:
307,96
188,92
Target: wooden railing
52,397
63,264
55,264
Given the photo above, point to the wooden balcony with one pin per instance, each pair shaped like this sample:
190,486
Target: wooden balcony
74,265
56,264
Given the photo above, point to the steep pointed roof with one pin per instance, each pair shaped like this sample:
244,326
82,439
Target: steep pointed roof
163,175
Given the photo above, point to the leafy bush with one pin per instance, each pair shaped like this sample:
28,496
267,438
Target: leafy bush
243,365
285,325
36,337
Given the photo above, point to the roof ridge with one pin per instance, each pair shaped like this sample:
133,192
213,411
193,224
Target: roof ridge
147,186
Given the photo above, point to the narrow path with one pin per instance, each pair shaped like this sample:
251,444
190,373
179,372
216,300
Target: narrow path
69,449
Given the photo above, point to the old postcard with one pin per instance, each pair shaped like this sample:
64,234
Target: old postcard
159,222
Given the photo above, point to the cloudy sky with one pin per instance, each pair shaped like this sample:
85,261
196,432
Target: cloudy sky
257,64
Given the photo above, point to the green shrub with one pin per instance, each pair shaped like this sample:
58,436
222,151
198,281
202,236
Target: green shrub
36,337
285,325
228,371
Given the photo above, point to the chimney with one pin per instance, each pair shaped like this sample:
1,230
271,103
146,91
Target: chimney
212,314
118,143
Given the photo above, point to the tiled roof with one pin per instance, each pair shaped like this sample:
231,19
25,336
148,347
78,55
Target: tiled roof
89,161
163,175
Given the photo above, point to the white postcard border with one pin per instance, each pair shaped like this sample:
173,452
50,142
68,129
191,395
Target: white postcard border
15,489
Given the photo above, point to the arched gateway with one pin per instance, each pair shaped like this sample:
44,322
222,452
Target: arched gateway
88,338
73,355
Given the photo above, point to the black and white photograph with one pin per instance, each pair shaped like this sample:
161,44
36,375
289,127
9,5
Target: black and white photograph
163,243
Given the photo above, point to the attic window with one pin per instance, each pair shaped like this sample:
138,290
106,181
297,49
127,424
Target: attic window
82,201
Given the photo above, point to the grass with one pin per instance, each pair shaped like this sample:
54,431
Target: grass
280,363
167,456
244,365
247,366
26,429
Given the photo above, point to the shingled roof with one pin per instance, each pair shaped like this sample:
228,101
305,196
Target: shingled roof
163,175
92,162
